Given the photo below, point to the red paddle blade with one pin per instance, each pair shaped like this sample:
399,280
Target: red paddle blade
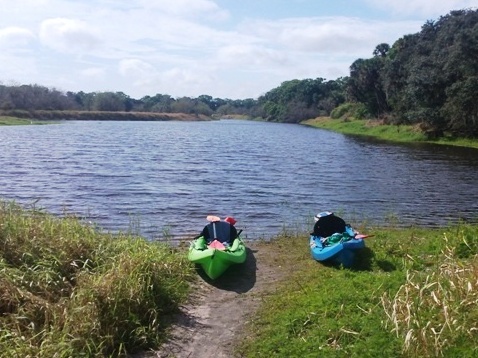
216,245
362,236
213,218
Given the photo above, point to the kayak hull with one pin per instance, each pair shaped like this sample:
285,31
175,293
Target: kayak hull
216,261
342,253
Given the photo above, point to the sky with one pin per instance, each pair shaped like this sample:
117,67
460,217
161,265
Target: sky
233,49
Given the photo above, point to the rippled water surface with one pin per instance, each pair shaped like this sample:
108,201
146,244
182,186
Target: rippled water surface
163,178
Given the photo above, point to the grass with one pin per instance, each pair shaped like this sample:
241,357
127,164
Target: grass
67,290
412,293
11,121
388,132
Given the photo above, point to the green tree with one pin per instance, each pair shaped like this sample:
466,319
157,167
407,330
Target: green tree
296,100
430,76
365,84
160,103
109,101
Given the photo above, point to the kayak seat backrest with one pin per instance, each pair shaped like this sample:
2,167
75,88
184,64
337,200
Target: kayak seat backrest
329,225
225,232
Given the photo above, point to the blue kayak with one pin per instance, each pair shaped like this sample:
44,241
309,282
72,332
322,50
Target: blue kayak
333,241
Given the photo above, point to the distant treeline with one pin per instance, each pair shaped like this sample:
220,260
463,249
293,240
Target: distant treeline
428,79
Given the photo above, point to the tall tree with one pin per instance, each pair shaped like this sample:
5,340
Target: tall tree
108,101
366,85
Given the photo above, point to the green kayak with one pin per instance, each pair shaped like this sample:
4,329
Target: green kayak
218,247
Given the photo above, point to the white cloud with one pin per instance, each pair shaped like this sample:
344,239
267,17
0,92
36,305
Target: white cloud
15,37
199,9
135,68
18,69
141,75
250,56
331,35
94,72
182,77
225,48
68,35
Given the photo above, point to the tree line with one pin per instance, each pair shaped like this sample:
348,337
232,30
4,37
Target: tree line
36,97
428,79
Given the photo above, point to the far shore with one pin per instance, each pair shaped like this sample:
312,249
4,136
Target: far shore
25,117
370,128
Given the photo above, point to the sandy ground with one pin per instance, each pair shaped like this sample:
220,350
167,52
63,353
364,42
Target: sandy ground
209,325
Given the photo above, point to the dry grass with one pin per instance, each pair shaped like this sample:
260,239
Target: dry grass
436,309
102,115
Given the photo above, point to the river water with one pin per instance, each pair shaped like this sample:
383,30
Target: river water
161,179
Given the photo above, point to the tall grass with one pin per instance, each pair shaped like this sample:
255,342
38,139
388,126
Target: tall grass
435,312
412,293
67,290
372,128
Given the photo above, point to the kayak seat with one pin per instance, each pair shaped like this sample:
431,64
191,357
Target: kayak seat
219,230
329,225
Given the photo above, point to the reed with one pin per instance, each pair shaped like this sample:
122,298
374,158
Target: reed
68,290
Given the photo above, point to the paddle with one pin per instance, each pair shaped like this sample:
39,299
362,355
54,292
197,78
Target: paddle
213,218
362,236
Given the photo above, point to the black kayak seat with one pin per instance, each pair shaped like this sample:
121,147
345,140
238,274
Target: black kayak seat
219,230
329,225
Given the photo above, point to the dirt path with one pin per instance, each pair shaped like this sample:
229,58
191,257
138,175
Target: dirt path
210,324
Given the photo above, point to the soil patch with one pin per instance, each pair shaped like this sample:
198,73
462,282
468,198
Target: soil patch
213,320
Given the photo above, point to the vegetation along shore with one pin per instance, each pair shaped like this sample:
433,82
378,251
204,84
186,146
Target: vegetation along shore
388,132
68,290
413,293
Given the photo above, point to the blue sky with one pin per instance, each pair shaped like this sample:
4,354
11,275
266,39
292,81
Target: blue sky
224,48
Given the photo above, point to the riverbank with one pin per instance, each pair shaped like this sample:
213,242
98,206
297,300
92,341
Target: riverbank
10,117
69,290
412,293
376,129
13,121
